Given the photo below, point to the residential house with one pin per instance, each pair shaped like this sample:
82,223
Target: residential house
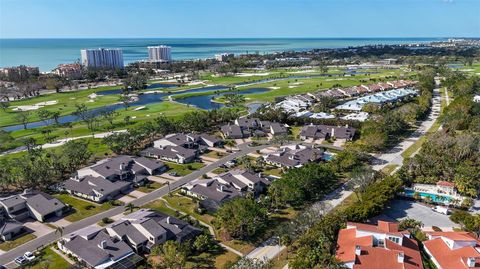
365,246
126,168
145,228
10,228
95,248
248,127
243,181
210,192
294,156
322,132
96,189
190,141
453,250
177,154
37,205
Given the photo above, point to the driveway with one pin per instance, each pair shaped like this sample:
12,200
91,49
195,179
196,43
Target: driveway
51,236
39,229
400,209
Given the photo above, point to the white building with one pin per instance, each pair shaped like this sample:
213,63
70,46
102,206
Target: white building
222,57
102,58
160,53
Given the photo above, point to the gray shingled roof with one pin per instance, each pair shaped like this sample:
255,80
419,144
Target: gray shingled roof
93,254
7,226
87,184
170,152
322,131
212,192
44,203
293,158
13,201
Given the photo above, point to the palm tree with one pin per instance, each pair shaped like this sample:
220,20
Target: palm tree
130,207
59,230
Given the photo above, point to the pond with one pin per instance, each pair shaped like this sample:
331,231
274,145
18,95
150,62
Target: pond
203,102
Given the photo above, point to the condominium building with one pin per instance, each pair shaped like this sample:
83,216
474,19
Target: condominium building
102,58
160,53
223,57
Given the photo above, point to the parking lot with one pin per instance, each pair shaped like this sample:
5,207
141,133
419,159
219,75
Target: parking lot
400,209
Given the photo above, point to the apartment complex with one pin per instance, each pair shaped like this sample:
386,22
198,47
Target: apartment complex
159,53
102,58
223,57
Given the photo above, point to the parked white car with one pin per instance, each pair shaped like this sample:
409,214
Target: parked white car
29,256
441,210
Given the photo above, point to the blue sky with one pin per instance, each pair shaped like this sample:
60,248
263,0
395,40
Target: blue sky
239,18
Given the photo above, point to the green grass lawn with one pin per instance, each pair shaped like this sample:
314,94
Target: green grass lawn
388,169
274,171
183,169
82,208
220,170
22,239
153,186
159,205
49,259
187,205
66,102
215,154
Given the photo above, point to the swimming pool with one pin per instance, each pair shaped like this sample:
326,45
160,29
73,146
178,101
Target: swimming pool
435,197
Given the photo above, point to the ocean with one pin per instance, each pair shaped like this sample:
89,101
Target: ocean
48,53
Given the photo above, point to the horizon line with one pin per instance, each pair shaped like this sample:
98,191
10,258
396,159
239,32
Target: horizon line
285,37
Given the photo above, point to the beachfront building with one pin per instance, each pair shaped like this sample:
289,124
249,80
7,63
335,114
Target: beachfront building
453,250
71,71
224,57
365,246
319,133
19,72
102,58
292,156
32,204
159,53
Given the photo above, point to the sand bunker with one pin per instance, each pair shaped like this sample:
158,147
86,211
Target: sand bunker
252,74
35,106
274,88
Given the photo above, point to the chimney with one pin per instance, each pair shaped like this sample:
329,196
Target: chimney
122,166
168,220
220,188
333,132
358,251
103,244
400,257
471,262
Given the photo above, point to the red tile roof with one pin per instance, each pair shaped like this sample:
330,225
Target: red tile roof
377,257
448,258
445,184
456,236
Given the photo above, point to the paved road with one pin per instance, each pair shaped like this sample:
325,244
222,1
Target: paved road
394,156
52,236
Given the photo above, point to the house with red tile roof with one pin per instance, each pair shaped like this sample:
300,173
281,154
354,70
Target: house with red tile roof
366,246
453,250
